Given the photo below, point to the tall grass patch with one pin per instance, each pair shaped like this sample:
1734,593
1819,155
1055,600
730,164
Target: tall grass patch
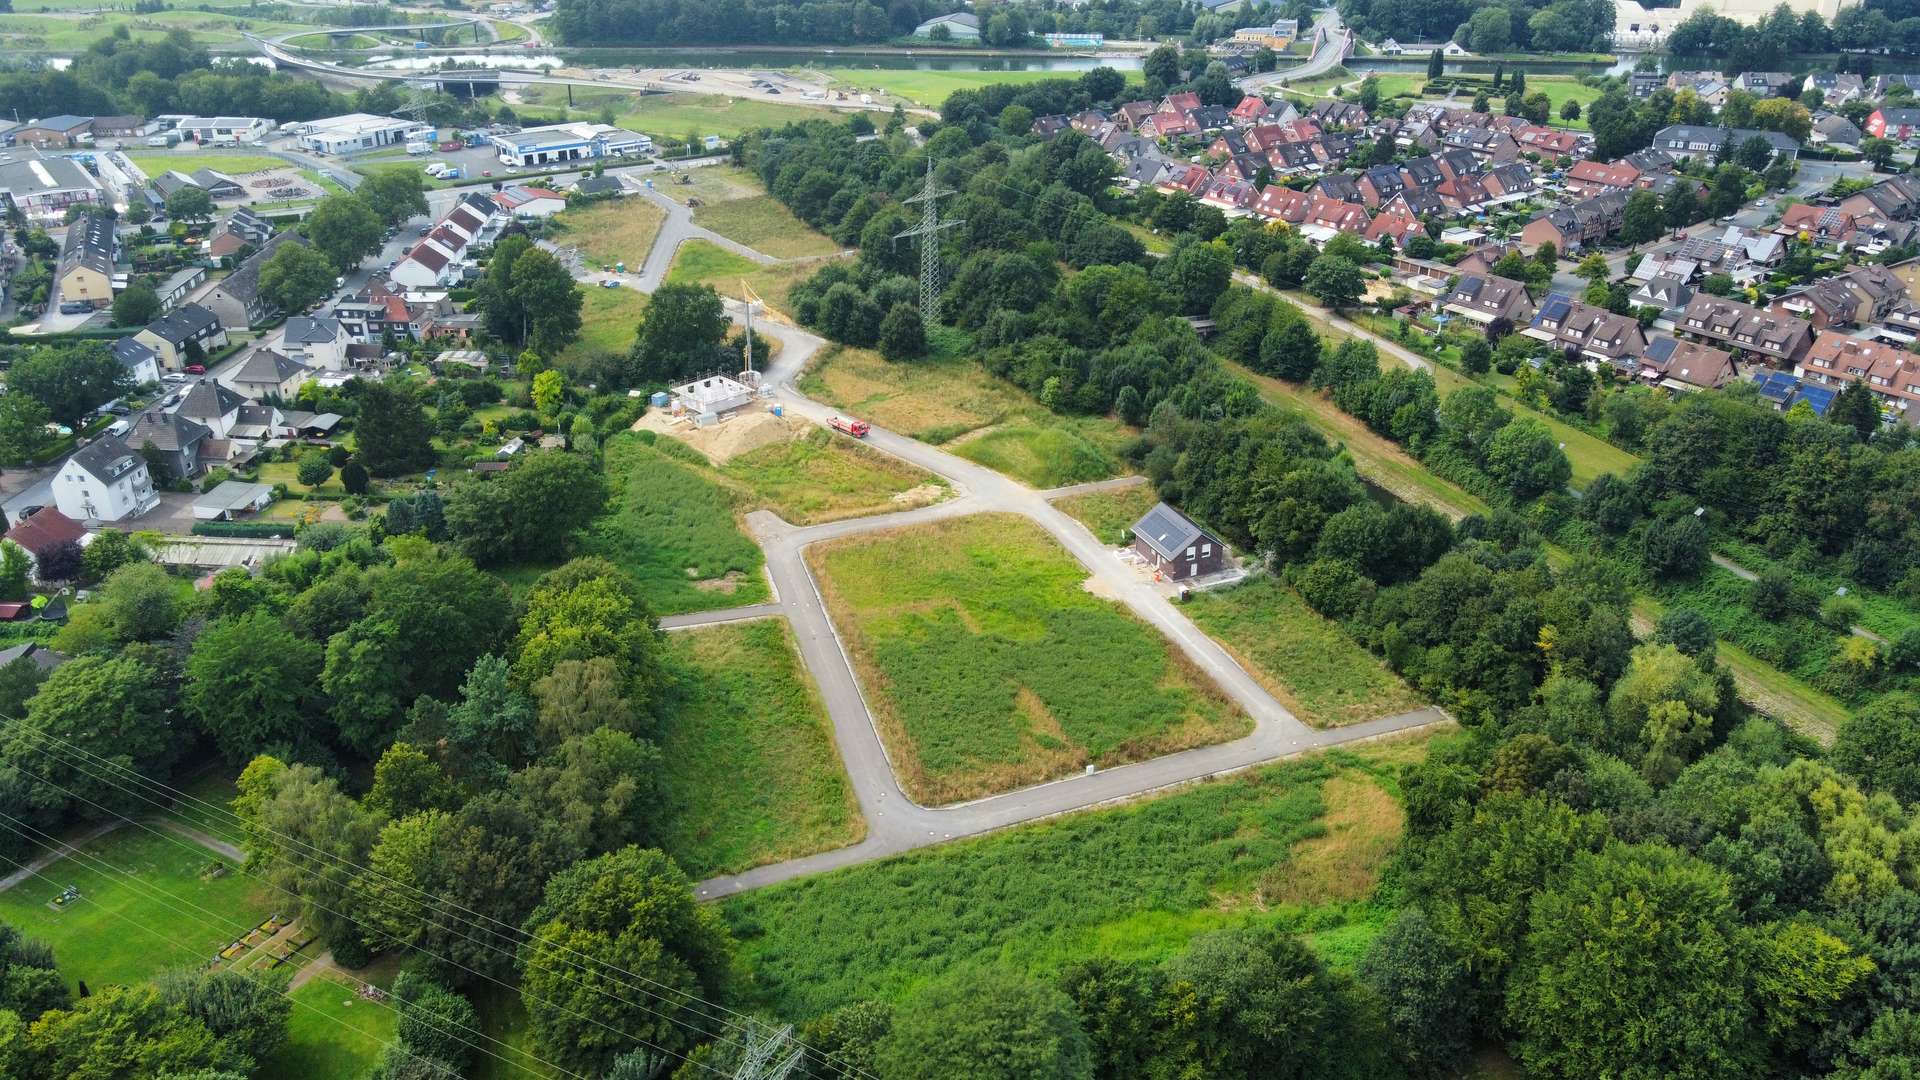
1135,882
989,666
674,530
1110,515
1303,658
750,770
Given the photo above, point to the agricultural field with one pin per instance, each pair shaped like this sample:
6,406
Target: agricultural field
618,230
927,88
974,638
1303,658
674,531
332,1034
234,164
675,116
946,399
608,321
73,31
149,901
1110,515
1297,845
750,771
701,261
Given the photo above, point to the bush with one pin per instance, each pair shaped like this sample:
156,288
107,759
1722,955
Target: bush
1840,612
315,469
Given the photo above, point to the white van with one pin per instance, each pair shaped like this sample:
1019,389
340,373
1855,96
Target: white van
419,147
119,428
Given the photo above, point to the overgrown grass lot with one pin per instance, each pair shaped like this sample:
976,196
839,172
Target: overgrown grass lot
750,770
1110,515
821,476
614,231
147,903
1297,845
989,667
674,531
947,398
609,320
153,164
1303,658
763,224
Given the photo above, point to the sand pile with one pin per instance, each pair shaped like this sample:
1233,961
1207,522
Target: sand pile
741,433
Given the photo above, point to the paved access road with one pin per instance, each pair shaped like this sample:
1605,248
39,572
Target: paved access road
1332,44
895,823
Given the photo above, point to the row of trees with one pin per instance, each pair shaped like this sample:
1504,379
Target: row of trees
783,22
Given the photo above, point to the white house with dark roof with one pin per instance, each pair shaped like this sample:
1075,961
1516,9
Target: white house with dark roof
104,481
319,343
141,362
236,299
178,443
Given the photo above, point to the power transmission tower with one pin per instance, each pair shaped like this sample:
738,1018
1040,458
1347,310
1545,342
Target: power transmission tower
929,233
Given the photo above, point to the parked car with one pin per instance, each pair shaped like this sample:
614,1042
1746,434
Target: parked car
195,369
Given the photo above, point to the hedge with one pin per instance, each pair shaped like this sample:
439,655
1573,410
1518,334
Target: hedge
250,530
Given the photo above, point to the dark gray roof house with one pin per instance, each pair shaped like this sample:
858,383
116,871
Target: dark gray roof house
189,322
1172,544
176,438
600,185
237,300
32,651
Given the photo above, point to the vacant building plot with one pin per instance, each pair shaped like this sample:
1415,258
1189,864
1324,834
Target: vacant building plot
749,770
988,666
1296,845
699,262
615,231
950,401
1110,515
609,321
1303,658
800,471
674,529
147,901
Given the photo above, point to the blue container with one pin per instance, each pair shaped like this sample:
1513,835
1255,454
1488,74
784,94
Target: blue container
777,412
659,399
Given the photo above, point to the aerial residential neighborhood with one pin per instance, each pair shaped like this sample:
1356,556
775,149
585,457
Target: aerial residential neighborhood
780,539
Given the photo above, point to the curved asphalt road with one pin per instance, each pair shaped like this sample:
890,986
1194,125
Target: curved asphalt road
1332,44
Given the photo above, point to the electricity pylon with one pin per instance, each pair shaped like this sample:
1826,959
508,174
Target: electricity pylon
929,233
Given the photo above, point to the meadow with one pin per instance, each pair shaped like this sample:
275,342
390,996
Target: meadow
675,116
674,531
945,398
148,903
989,667
1297,845
749,768
1110,515
1303,658
614,231
762,223
927,88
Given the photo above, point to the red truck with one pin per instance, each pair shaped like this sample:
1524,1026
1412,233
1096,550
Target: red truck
856,428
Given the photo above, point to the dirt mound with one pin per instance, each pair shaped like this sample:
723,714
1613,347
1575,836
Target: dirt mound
741,433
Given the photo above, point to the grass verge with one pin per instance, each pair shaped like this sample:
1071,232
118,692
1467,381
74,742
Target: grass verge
989,667
1270,846
1110,515
751,774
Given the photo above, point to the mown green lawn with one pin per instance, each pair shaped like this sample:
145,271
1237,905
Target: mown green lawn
1319,673
929,88
1135,882
332,1034
700,261
749,767
148,902
988,665
231,163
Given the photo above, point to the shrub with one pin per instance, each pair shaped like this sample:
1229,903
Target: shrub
248,529
1840,612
